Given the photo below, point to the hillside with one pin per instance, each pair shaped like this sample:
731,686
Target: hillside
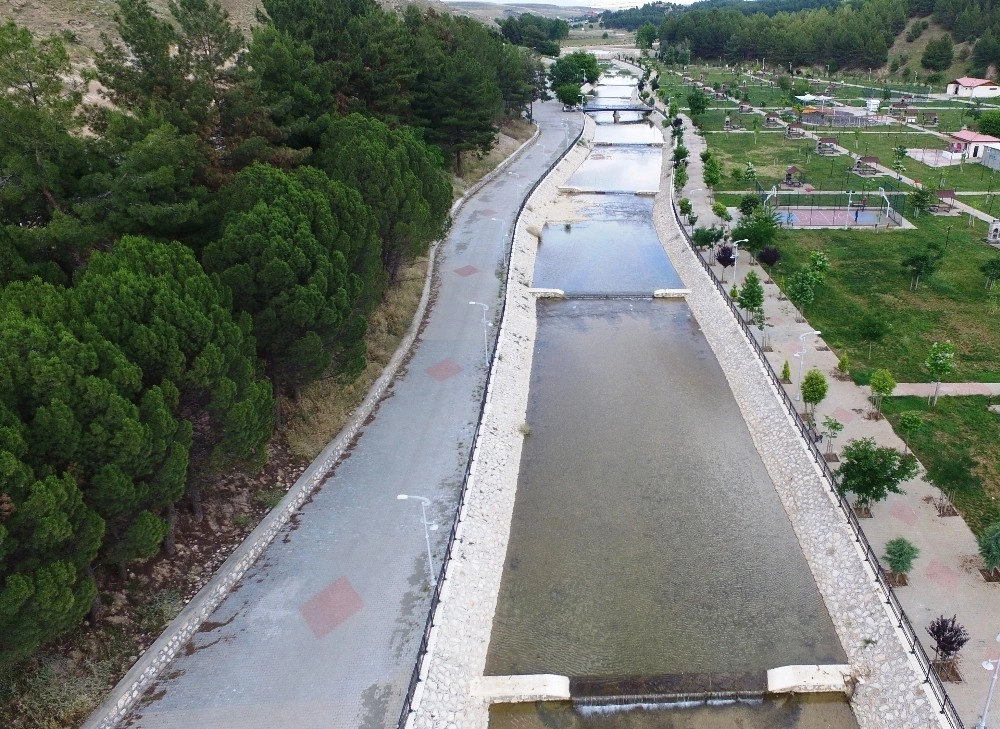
491,11
913,50
85,20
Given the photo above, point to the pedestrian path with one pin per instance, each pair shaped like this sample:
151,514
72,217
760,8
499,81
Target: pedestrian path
945,579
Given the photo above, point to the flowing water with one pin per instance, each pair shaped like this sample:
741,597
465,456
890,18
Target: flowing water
647,538
799,712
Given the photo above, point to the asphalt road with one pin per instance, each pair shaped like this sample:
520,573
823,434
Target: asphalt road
323,631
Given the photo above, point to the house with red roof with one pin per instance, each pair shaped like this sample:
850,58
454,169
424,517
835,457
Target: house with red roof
971,144
973,88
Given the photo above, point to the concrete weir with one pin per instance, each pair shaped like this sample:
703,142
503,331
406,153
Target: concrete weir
671,688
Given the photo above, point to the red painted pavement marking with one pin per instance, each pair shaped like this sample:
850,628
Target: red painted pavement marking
904,513
844,416
466,270
443,370
330,607
942,574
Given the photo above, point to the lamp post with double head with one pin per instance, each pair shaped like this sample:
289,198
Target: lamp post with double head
428,528
486,326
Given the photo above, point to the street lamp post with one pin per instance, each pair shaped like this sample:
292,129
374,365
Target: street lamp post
428,528
736,253
801,354
990,664
486,326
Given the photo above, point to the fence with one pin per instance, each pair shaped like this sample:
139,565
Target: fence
442,570
902,621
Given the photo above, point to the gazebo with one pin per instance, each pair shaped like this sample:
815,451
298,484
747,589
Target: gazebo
866,166
929,119
826,145
790,177
794,131
771,120
945,201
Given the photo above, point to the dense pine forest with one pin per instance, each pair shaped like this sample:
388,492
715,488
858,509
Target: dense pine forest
193,225
854,34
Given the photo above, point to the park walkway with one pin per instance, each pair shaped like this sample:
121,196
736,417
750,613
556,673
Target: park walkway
945,579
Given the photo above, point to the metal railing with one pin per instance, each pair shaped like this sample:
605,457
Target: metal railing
442,570
947,708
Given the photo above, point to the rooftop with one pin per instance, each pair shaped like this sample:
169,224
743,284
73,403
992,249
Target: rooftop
969,81
967,135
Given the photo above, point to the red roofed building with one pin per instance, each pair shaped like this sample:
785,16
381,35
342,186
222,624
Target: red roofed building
973,88
971,144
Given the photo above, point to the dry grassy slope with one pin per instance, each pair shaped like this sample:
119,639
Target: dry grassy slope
916,49
87,19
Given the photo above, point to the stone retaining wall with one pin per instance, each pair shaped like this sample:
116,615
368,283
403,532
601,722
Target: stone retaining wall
159,655
463,621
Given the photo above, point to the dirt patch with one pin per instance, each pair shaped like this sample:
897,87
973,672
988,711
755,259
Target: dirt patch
895,579
947,671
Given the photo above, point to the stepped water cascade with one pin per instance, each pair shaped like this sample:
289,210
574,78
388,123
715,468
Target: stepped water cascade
650,559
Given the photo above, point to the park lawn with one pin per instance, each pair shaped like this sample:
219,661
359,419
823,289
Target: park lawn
867,275
959,448
964,177
771,153
715,120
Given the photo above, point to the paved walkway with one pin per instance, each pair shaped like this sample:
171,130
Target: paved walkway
323,631
945,579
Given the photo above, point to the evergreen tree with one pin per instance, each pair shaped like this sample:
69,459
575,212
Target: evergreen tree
154,301
399,178
48,539
289,264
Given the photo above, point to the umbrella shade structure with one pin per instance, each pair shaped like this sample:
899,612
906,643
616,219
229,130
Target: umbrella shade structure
806,97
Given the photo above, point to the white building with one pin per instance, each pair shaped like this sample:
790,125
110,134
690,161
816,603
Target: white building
973,88
971,144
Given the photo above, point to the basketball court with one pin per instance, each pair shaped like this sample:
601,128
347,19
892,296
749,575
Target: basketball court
818,217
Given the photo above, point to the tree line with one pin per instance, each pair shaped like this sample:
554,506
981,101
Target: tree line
210,234
535,32
847,36
655,13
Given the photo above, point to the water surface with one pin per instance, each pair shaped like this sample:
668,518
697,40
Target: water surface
614,256
647,537
619,169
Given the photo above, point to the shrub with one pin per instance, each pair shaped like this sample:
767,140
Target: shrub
899,555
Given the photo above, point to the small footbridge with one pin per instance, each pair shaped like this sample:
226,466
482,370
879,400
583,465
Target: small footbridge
616,105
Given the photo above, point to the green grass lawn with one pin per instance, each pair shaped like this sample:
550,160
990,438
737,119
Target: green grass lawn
958,446
866,274
771,153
